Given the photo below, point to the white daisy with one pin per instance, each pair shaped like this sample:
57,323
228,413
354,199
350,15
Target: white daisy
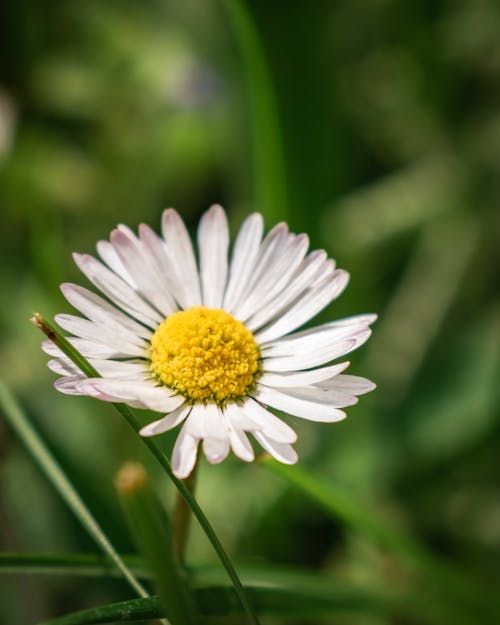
212,344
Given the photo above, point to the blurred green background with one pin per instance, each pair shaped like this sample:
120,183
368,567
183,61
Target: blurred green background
374,126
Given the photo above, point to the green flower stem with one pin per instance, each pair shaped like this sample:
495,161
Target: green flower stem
182,518
127,414
153,533
46,461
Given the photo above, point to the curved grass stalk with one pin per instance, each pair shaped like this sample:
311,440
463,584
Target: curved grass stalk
129,416
46,461
472,595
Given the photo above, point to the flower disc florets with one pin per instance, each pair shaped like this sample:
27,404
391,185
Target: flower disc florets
205,354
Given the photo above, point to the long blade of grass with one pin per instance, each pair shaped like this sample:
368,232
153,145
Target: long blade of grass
286,595
72,564
268,156
58,339
273,590
341,505
472,595
122,612
46,461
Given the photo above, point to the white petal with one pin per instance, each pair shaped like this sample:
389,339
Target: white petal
215,449
349,384
240,445
139,393
115,350
51,349
108,254
277,277
184,454
168,422
98,332
195,423
313,266
239,420
302,378
268,423
181,254
332,397
237,423
89,349
97,309
213,244
106,368
158,252
156,398
116,339
117,290
280,451
142,268
121,369
348,325
64,367
306,308
206,421
317,345
269,250
313,411
244,257
304,359
214,425
69,385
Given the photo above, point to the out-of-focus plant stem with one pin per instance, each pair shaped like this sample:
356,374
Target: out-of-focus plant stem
181,521
152,531
271,193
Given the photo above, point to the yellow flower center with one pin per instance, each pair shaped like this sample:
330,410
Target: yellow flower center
205,354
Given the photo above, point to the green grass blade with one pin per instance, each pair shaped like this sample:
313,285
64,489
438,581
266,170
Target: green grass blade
341,505
268,156
288,595
474,596
150,443
280,593
41,454
273,590
123,612
152,532
72,565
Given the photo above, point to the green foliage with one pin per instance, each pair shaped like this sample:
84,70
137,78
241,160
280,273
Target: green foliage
375,128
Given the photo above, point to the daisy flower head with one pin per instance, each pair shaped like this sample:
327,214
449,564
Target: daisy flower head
211,341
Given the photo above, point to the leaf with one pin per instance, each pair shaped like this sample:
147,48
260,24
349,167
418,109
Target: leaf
342,505
46,461
272,593
73,564
125,611
272,590
476,597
